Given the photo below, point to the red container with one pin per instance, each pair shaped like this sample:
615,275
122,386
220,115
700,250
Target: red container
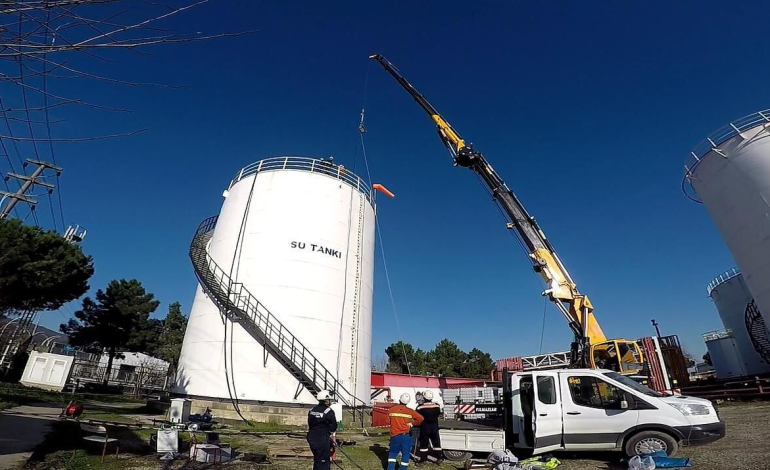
380,416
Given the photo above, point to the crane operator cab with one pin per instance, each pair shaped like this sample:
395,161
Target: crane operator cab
622,356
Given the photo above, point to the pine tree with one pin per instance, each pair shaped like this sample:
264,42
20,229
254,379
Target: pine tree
39,270
116,319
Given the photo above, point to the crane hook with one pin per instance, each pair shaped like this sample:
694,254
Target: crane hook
361,127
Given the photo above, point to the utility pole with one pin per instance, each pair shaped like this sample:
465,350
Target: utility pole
29,182
657,330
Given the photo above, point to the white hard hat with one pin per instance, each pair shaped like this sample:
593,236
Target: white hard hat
404,398
428,394
324,395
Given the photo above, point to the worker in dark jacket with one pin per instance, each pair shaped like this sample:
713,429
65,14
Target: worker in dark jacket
322,423
401,421
430,442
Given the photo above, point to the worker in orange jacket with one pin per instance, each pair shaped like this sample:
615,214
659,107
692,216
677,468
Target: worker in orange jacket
401,421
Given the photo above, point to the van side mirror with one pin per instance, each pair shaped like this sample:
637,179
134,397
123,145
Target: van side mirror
627,401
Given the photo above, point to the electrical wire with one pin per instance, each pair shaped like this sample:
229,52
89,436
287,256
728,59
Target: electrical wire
8,188
10,134
48,127
53,216
25,101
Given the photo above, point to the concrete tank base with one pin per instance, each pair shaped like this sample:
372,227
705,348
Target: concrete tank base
275,413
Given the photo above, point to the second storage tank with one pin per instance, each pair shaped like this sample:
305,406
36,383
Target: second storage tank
731,297
724,354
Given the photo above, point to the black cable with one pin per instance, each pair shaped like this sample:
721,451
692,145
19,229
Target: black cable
8,187
233,393
224,352
24,99
339,447
48,126
10,134
239,242
53,216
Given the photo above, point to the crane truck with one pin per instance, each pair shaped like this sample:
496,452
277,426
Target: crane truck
590,348
594,404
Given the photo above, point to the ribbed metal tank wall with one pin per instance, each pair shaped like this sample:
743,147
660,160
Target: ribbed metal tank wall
730,174
724,354
299,234
731,295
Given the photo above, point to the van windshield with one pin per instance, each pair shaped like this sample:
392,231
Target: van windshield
633,384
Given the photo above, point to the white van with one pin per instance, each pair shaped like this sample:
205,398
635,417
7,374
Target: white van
585,409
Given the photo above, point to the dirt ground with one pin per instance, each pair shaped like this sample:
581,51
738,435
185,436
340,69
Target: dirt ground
746,447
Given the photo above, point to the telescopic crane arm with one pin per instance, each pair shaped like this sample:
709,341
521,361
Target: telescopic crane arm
575,307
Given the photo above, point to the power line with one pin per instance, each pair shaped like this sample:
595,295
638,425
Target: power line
48,127
53,215
10,134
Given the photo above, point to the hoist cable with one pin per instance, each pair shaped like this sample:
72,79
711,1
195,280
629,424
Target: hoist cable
385,267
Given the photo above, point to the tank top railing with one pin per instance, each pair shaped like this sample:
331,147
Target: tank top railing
714,140
312,165
234,300
724,277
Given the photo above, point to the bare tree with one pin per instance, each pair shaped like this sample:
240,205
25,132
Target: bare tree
46,44
380,363
150,371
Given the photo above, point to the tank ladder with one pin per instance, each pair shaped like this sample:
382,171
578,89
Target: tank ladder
238,304
757,329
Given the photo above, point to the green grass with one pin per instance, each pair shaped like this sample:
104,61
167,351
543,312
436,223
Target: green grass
265,427
4,405
56,451
22,395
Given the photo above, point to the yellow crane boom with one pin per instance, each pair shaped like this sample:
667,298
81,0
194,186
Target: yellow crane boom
591,347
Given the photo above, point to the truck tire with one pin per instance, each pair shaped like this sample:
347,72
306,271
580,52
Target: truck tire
650,441
456,455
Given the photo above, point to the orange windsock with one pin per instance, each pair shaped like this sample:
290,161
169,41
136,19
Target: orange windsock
382,189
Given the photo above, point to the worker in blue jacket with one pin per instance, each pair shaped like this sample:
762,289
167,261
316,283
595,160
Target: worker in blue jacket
322,423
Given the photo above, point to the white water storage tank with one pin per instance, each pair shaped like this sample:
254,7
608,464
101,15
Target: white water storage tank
724,354
298,233
731,296
730,173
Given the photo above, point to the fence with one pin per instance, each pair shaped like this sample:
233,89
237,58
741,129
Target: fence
140,377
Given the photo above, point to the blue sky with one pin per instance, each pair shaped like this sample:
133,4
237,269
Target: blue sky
586,109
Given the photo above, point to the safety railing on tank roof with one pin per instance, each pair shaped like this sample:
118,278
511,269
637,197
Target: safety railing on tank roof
313,165
717,138
719,334
238,297
722,278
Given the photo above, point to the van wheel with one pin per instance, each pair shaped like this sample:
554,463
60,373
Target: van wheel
647,442
456,455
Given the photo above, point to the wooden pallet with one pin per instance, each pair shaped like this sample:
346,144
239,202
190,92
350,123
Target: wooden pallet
290,453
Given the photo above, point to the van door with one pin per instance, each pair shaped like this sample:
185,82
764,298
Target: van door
593,415
521,437
547,412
